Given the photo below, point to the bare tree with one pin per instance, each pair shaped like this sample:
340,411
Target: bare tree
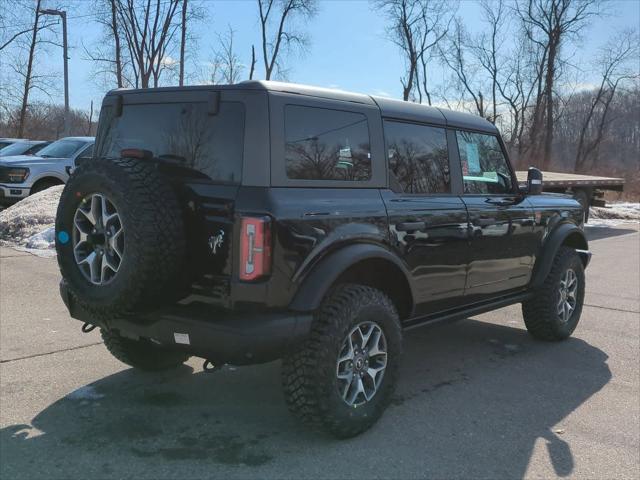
416,27
183,40
227,67
454,54
149,29
550,24
278,35
21,75
109,63
29,71
487,45
116,42
615,61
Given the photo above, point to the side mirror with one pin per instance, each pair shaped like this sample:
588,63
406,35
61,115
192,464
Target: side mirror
534,181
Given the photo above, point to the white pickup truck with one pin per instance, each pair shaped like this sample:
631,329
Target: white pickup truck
22,175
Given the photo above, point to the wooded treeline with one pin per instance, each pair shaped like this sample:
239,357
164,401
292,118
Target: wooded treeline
515,65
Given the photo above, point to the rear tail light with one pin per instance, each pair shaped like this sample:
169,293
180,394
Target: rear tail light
255,248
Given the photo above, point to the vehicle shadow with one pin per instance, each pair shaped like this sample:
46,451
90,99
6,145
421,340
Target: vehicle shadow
599,232
473,399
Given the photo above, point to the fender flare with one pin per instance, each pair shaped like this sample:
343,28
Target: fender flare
318,281
563,233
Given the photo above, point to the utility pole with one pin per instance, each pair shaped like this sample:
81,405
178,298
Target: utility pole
63,15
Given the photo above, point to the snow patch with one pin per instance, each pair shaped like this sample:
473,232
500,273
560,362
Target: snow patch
43,240
617,211
29,225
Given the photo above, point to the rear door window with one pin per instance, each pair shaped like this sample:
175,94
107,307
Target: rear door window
325,144
184,133
484,167
418,158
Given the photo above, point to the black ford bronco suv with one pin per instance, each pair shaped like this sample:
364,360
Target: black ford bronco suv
262,221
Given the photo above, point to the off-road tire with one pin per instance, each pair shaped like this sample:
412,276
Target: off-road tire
154,241
540,312
141,354
309,372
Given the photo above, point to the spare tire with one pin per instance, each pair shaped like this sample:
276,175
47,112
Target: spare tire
119,236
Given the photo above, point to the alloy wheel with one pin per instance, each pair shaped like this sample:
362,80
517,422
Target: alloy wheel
98,239
361,364
567,295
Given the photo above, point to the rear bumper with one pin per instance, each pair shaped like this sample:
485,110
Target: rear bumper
217,335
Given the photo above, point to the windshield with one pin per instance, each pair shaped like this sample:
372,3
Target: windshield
15,149
4,144
179,132
61,149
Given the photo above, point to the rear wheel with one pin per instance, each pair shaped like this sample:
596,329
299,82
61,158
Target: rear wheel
342,378
554,311
141,354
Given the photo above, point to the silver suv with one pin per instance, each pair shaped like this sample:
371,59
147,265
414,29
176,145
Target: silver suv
22,175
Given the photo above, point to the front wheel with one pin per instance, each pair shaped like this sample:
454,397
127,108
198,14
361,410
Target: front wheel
554,311
342,378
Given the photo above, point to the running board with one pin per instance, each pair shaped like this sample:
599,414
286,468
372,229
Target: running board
466,312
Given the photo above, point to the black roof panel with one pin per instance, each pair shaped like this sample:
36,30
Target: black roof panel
391,108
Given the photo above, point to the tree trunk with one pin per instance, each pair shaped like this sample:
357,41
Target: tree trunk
116,39
90,119
253,62
548,134
27,78
183,39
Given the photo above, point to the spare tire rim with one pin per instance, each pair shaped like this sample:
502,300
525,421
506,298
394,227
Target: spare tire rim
361,364
567,295
98,239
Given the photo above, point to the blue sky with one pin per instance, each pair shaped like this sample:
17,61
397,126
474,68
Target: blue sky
348,48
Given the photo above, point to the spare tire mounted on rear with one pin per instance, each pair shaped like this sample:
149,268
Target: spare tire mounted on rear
119,236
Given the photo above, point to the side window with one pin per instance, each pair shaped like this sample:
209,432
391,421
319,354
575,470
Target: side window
323,144
418,157
87,152
484,166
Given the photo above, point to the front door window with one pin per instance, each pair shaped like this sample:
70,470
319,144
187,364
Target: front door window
484,166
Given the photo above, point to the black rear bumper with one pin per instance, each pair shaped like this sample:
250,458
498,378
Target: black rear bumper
204,331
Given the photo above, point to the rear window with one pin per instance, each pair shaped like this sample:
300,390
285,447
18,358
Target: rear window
323,144
418,157
180,132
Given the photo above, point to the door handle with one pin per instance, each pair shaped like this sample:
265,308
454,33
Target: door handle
410,226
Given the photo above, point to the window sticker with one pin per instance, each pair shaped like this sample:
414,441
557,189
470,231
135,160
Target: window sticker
473,157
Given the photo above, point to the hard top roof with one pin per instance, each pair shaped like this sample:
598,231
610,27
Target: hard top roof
390,108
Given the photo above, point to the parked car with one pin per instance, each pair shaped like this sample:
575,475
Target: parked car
5,142
22,175
253,222
24,147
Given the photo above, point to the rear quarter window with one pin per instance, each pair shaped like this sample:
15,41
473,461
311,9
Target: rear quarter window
326,144
180,132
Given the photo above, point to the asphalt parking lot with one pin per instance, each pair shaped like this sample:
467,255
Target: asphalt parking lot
477,399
